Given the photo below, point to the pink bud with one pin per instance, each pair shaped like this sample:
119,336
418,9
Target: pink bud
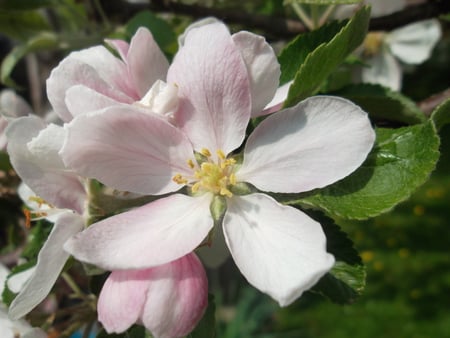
168,300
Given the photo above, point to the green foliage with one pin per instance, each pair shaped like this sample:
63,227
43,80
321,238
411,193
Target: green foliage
401,160
324,2
206,328
383,104
346,281
441,115
311,58
22,25
161,30
26,4
43,41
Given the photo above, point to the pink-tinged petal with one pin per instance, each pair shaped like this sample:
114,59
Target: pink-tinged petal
81,99
177,298
279,249
151,235
127,150
122,299
311,145
414,43
278,100
194,25
33,150
146,62
383,69
51,260
262,66
120,46
72,71
214,89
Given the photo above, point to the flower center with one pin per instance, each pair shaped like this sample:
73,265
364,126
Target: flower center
372,43
209,176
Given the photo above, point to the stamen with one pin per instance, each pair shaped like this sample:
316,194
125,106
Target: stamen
179,179
221,154
205,152
191,164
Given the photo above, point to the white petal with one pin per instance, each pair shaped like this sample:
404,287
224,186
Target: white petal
128,150
262,66
279,249
12,105
81,99
17,281
384,70
33,154
414,43
148,236
311,145
213,88
51,260
278,100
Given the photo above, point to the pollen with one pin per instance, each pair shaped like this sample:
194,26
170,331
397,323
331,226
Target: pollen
211,175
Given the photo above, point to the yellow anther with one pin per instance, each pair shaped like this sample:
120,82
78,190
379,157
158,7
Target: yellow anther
232,179
195,187
191,164
226,192
221,154
40,201
205,152
179,179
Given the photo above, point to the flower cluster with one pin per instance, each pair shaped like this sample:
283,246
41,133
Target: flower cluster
178,133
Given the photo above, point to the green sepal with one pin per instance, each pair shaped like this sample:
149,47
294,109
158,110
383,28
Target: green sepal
218,207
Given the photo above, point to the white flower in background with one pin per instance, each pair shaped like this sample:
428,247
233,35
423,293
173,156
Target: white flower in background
14,328
386,51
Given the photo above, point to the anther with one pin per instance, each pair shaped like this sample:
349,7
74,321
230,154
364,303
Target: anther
205,152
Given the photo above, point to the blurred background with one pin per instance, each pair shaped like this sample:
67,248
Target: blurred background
406,251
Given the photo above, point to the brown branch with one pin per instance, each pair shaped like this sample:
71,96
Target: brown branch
276,26
430,103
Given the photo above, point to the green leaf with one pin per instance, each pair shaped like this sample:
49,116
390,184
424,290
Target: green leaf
346,281
26,4
43,41
36,238
401,161
314,56
22,25
383,104
441,115
161,30
206,328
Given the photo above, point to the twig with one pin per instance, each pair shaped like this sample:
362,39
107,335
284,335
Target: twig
430,103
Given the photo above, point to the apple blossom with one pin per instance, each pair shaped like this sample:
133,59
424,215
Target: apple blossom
33,149
169,299
11,328
279,249
411,44
137,78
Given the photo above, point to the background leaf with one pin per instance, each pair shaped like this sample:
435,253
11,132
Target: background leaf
401,161
325,58
441,115
383,104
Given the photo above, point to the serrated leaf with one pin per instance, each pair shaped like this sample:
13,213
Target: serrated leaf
383,104
206,328
346,281
332,44
43,41
441,115
22,25
401,161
